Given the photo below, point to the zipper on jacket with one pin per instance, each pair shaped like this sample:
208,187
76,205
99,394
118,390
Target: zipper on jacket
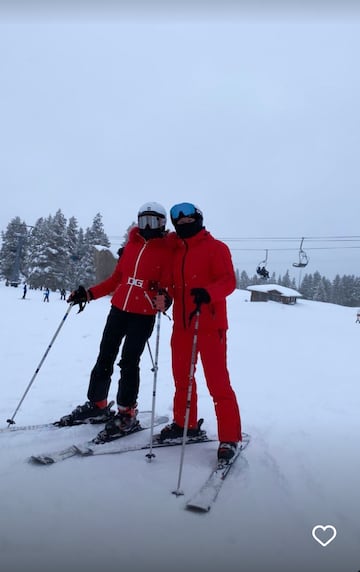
183,283
135,271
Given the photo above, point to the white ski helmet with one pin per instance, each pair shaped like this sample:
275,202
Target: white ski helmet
153,208
152,220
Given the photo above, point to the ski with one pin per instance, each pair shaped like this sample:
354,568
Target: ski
87,451
90,448
85,448
43,426
204,498
12,427
15,428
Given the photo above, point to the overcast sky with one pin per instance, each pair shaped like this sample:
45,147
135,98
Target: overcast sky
252,115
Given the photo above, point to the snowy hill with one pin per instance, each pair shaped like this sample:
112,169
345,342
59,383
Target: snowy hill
295,371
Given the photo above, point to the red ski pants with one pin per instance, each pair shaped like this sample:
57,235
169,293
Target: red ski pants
211,346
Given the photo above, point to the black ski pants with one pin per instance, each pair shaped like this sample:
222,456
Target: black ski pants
135,330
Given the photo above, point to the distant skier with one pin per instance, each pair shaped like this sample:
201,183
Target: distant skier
63,294
261,270
46,295
358,317
24,292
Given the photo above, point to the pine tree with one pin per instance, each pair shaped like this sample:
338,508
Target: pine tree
286,281
306,287
319,294
72,239
37,258
57,249
86,266
244,281
13,251
126,235
48,253
351,295
327,286
337,290
316,283
96,234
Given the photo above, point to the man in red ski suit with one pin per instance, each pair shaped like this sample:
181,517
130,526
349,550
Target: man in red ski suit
202,277
141,272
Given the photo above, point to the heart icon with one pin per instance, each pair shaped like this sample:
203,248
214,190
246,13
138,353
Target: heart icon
327,532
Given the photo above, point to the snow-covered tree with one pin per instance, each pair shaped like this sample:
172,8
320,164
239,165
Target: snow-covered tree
244,280
58,251
96,235
13,251
126,235
73,251
286,280
37,260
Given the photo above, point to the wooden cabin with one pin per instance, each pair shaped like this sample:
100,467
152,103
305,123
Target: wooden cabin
274,292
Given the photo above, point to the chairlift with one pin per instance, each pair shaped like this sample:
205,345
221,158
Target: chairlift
261,268
303,257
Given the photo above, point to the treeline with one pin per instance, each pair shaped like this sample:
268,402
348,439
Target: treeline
343,290
55,253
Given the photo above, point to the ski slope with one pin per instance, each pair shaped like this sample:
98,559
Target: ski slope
295,372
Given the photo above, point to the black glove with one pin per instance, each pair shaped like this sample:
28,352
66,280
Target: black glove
201,296
167,299
79,296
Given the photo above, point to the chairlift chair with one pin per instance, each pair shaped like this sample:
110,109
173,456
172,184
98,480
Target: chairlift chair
303,257
261,268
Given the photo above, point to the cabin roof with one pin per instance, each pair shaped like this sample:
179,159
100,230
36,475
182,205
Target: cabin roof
282,290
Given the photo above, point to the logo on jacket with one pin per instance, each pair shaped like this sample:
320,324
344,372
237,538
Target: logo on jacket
135,282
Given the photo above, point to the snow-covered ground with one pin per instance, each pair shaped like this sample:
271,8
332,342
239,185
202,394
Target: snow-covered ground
295,371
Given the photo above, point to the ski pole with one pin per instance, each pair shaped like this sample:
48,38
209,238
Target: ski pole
151,356
11,420
150,454
178,491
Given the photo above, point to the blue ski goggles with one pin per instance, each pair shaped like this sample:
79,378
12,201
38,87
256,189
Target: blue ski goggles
183,209
151,221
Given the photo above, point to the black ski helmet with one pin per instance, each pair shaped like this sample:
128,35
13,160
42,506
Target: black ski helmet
188,229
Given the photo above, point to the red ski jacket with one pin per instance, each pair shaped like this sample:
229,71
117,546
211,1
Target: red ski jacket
140,272
201,262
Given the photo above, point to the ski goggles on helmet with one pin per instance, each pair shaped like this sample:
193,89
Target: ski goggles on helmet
150,220
183,210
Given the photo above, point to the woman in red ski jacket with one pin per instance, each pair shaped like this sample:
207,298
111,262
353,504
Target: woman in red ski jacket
141,272
202,277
